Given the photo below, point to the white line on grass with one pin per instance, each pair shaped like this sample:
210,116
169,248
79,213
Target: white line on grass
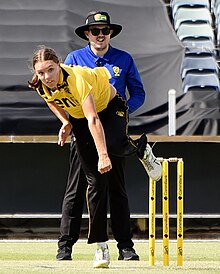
110,241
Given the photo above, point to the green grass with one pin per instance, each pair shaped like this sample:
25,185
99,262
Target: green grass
39,257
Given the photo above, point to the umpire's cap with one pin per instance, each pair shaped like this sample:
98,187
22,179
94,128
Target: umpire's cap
97,18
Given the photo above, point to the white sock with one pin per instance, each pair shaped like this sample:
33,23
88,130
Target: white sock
102,245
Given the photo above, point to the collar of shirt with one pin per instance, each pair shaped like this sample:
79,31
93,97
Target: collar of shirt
63,79
99,61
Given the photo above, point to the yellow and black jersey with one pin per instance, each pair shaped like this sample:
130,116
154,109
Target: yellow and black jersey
75,84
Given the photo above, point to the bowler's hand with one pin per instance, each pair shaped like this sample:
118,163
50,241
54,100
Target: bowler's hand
64,132
104,164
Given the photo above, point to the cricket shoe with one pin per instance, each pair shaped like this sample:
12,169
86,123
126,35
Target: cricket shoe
151,164
128,254
64,253
102,258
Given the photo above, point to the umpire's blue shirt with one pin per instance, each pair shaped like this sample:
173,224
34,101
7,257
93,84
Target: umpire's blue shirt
122,68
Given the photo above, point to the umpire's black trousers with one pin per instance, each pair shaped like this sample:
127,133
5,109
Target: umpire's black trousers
114,121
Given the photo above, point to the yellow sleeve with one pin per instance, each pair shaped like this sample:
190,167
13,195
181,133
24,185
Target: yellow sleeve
103,72
83,88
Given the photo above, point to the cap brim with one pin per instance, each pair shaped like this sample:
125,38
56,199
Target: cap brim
80,30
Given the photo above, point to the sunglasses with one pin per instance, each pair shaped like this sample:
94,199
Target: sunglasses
96,31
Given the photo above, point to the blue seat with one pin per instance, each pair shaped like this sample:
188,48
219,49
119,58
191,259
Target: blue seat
217,29
201,89
200,80
191,14
215,7
199,44
176,4
195,30
197,64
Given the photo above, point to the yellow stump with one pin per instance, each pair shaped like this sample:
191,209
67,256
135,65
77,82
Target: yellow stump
165,196
152,212
180,212
165,211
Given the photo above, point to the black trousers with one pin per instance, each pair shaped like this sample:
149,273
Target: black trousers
96,186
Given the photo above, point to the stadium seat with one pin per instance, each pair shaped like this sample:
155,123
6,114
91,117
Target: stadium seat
215,6
200,80
216,16
189,14
217,29
176,4
198,44
201,89
199,64
212,5
195,30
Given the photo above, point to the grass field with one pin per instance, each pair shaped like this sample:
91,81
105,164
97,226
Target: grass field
39,257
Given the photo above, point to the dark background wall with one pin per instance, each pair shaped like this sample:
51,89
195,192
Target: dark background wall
33,178
155,48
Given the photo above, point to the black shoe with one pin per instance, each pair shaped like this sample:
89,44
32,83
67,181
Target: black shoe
141,144
64,253
128,254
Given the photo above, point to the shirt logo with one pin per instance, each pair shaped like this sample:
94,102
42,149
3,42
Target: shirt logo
116,71
66,102
120,113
